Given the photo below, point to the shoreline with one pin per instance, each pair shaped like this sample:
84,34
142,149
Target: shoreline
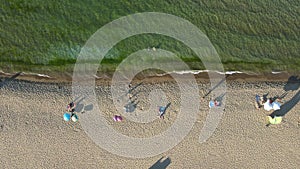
201,76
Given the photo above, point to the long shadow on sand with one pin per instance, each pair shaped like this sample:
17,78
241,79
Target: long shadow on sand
161,164
80,107
212,89
284,109
220,98
134,87
292,85
8,80
131,106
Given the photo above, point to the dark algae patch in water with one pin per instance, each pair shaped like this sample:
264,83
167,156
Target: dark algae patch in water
46,36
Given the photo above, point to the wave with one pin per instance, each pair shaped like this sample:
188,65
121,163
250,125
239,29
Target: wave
195,72
107,76
27,74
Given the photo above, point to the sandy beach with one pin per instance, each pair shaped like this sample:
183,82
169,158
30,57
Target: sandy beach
33,133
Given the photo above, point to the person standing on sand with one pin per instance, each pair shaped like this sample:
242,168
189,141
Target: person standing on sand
161,111
71,106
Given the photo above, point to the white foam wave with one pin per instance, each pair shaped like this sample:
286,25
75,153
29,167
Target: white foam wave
195,72
42,75
274,72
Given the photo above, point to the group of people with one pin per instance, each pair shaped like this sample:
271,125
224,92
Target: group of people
131,106
260,101
269,104
70,114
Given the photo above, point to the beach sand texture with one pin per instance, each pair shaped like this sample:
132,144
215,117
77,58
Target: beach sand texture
33,133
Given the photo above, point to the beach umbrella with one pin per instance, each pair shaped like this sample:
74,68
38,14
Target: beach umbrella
275,120
74,118
67,117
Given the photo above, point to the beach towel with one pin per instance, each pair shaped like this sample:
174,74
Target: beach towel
275,120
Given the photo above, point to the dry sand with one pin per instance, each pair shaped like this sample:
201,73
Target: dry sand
33,133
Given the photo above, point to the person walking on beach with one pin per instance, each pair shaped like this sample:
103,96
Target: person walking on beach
161,111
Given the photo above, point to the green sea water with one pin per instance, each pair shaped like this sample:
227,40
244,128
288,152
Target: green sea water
47,36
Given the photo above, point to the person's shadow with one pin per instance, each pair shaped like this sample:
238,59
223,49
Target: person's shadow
292,84
131,106
219,99
80,107
161,164
286,107
6,81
